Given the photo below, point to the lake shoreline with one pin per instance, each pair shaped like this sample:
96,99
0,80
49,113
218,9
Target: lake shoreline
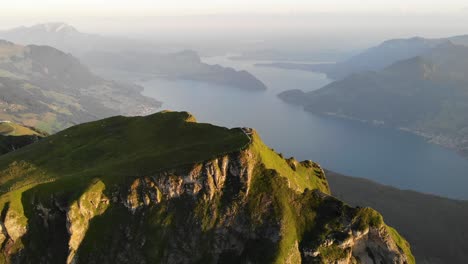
440,140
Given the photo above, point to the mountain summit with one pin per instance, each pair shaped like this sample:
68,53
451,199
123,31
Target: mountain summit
54,27
166,189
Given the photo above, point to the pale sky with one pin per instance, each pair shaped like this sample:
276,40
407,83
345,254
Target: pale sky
358,22
190,7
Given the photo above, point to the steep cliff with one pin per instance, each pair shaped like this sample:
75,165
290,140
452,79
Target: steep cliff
435,217
165,189
12,143
14,136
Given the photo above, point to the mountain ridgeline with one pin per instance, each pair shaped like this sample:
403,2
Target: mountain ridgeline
184,65
166,189
375,58
119,58
69,39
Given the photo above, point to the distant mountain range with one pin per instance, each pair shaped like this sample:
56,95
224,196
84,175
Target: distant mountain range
290,55
427,95
376,58
70,40
115,57
43,87
184,65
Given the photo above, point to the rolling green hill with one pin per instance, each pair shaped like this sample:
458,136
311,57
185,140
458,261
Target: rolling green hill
166,189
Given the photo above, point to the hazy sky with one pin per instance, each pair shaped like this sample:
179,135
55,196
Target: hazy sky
182,7
343,24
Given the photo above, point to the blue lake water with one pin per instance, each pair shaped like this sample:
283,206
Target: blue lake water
381,154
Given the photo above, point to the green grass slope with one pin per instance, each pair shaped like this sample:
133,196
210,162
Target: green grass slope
120,146
13,129
122,190
300,175
111,150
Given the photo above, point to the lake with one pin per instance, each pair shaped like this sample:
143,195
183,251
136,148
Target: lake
385,155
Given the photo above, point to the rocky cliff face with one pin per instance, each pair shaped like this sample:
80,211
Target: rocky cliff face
12,143
242,206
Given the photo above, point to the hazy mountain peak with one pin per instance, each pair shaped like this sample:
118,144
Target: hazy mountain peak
6,43
413,68
382,56
449,46
7,49
54,27
413,40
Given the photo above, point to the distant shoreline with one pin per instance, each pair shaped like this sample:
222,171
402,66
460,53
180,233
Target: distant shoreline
440,140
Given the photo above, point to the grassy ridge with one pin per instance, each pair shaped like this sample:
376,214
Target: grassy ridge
299,176
115,148
120,146
88,169
13,129
402,243
110,150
